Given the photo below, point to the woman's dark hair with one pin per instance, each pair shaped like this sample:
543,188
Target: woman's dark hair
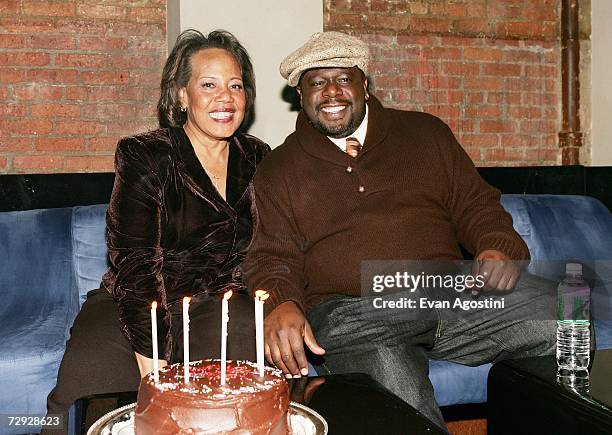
177,72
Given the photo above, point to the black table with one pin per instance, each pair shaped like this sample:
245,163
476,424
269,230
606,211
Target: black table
351,404
524,397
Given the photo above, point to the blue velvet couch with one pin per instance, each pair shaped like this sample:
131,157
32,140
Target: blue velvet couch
51,258
557,229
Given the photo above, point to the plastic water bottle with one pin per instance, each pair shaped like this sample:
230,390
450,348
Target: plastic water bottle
573,325
576,381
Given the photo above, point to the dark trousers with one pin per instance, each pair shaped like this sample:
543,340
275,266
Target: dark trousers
98,358
395,350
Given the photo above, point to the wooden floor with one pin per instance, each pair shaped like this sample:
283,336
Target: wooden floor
468,427
470,419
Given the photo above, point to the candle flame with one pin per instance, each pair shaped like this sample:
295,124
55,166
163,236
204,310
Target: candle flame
154,305
262,295
228,294
186,300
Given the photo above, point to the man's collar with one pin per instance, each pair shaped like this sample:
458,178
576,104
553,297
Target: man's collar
318,145
359,134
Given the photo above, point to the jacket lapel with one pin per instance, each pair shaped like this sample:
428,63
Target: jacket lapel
240,168
378,125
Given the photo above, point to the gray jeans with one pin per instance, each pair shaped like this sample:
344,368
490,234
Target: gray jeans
395,351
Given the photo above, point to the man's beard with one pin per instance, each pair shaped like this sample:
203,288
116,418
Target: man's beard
338,131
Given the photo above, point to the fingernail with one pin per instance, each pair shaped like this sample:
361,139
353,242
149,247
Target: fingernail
297,376
288,375
304,371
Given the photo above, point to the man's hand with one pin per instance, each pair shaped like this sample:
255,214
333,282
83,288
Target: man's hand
498,271
286,330
145,365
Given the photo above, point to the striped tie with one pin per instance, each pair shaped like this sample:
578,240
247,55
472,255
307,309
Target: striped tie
352,146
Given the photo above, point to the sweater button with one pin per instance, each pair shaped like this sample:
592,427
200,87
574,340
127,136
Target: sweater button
361,189
349,169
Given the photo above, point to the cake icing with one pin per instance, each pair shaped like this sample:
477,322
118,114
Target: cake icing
246,404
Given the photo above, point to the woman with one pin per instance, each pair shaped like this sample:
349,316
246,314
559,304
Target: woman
179,223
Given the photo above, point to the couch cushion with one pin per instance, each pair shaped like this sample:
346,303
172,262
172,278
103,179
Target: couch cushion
455,383
89,247
39,302
562,228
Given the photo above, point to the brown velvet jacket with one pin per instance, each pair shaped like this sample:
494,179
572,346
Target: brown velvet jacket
170,233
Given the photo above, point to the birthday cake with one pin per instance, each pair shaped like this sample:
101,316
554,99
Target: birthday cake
246,404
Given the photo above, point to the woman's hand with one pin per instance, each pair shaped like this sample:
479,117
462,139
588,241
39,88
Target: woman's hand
145,365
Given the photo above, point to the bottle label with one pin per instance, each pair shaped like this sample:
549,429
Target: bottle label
573,303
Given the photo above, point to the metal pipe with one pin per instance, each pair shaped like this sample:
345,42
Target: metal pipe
570,136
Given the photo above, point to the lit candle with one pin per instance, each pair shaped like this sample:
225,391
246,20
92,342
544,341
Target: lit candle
260,297
154,339
186,337
224,321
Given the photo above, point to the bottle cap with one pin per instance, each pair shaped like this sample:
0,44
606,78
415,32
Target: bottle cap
573,268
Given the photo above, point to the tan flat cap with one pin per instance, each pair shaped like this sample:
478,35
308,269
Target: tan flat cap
325,50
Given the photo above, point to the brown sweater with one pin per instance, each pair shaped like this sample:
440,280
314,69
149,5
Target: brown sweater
420,197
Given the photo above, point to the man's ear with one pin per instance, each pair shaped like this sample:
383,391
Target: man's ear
299,92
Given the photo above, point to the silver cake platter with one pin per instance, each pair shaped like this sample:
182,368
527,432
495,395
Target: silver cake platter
304,421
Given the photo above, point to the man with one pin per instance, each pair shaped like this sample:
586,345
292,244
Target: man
325,204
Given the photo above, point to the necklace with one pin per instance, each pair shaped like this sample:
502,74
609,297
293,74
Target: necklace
212,175
216,179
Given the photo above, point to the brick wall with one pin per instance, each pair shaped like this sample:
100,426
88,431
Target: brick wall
490,68
75,75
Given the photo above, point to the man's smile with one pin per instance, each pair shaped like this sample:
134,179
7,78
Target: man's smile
336,110
333,109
